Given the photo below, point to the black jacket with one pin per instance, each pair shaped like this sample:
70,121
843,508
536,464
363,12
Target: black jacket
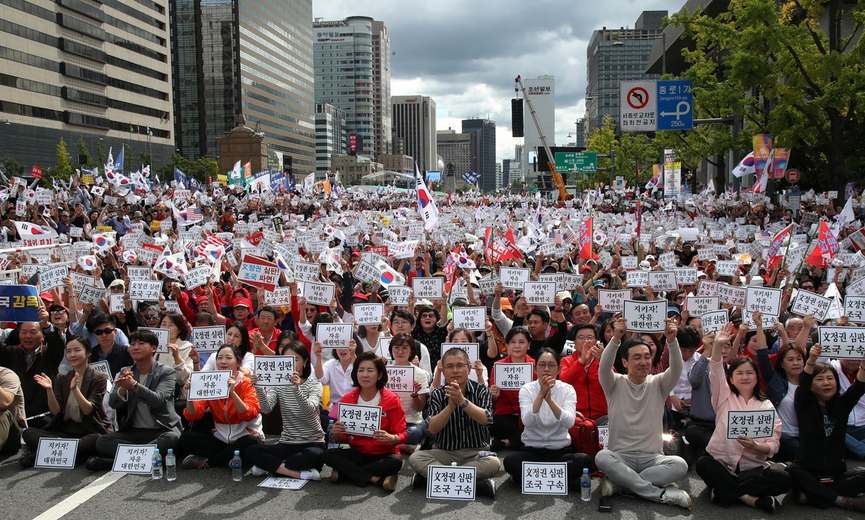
46,361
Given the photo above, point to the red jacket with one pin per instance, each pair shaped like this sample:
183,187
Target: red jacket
274,340
392,421
591,401
508,401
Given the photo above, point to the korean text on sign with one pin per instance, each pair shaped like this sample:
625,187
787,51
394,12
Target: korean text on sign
645,316
333,335
400,379
451,482
512,376
208,385
56,453
842,342
613,301
134,458
753,424
273,370
545,478
432,288
359,419
208,339
472,350
470,318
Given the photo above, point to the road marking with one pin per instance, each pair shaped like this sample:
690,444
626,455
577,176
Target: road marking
79,497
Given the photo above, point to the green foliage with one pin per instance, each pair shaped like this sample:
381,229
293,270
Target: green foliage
200,168
84,151
63,166
630,155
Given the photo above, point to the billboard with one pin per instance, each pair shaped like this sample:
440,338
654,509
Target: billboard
542,92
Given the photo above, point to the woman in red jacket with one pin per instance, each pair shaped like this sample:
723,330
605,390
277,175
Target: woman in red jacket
580,370
506,427
373,457
233,418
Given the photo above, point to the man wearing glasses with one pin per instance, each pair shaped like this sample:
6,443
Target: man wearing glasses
459,414
580,370
107,347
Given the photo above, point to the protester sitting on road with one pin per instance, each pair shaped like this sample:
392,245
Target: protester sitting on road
369,460
108,347
236,336
634,460
735,470
548,409
506,428
75,402
459,414
234,418
478,371
820,472
855,438
580,370
701,425
143,396
12,416
403,349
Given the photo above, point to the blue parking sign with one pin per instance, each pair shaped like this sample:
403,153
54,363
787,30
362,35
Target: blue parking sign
675,105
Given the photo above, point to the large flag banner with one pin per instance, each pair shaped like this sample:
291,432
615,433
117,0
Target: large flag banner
777,165
825,247
773,255
585,237
118,161
745,166
19,303
235,176
762,148
425,203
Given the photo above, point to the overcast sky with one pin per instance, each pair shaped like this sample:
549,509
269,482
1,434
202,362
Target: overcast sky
466,53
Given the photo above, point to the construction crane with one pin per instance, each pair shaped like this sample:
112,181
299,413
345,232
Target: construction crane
551,161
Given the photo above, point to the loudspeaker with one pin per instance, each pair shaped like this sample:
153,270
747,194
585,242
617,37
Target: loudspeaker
517,117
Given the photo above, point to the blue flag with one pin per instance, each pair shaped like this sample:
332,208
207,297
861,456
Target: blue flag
118,161
180,177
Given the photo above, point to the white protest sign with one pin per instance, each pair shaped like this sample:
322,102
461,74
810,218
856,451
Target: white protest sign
487,284
667,261
715,320
842,342
751,424
450,482
162,335
470,318
367,313
318,293
708,288
637,278
333,335
400,379
145,290
539,293
645,316
854,308
686,276
663,280
382,346
811,304
360,419
766,300
398,294
307,271
279,297
115,303
136,272
291,484
471,349
769,321
366,272
172,306
273,370
727,267
90,294
197,277
731,294
428,287
56,453
856,288
545,478
629,263
104,367
613,301
700,305
513,277
54,277
134,458
512,376
208,385
208,339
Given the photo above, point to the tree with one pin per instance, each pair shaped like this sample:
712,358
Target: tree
784,68
631,155
63,167
84,154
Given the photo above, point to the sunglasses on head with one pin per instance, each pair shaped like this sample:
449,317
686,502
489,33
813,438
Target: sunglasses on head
103,332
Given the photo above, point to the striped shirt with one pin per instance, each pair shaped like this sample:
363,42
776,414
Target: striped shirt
461,431
298,405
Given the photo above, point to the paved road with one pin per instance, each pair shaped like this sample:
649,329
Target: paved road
210,494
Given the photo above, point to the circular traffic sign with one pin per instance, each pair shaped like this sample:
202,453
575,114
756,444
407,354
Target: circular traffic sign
637,98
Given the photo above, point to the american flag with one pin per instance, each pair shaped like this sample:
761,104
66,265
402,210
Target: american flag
211,239
190,215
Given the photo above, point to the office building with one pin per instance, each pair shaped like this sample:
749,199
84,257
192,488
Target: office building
455,150
93,71
397,163
352,73
353,168
414,123
330,135
239,61
616,55
483,150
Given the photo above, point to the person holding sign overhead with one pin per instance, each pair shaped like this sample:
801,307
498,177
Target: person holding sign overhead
820,472
234,418
548,409
505,428
371,458
75,402
735,465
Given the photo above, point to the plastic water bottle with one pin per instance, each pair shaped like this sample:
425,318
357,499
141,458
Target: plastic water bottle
331,444
156,470
586,486
170,466
236,466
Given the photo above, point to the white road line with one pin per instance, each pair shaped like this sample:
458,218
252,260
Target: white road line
81,496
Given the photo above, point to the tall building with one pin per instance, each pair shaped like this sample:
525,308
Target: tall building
414,122
245,61
352,73
542,93
580,136
93,71
616,55
506,173
330,135
455,149
483,158
499,177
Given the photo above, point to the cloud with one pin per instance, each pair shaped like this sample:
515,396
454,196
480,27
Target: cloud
465,53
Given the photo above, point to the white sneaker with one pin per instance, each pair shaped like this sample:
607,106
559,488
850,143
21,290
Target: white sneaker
255,471
677,497
310,474
607,487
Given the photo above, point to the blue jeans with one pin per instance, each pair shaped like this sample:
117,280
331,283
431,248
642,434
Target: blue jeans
855,441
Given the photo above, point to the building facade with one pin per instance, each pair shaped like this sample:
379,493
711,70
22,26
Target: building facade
455,150
352,168
414,124
397,163
330,135
245,61
483,156
616,55
352,73
97,72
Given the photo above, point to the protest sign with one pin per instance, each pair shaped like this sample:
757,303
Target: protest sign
854,308
400,378
698,306
205,386
291,484
513,277
307,271
367,313
731,295
643,316
258,272
637,278
273,370
512,376
197,277
451,482
19,303
136,272
470,318
471,349
715,320
807,303
279,297
766,300
104,367
134,458
545,478
145,290
360,419
613,301
398,294
663,280
842,342
333,335
208,339
56,453
751,424
319,293
115,303
539,293
428,287
52,278
162,335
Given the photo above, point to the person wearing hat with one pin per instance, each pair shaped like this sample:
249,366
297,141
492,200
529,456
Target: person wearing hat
430,328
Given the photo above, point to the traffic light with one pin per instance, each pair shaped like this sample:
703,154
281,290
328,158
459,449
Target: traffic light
517,117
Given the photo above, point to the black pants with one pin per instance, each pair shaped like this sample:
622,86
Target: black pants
822,495
576,461
10,433
698,433
359,468
757,482
106,445
789,449
218,453
296,457
507,427
86,443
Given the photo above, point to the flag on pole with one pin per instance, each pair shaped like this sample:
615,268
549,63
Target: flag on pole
745,166
471,177
585,243
773,254
845,217
235,176
760,185
425,203
825,247
118,162
180,178
777,164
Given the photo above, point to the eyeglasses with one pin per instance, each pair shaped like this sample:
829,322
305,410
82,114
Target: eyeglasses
585,338
58,311
103,332
548,365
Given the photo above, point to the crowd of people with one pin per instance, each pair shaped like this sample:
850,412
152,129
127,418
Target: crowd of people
637,408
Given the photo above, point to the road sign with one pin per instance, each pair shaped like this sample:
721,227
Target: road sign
580,162
675,105
638,106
